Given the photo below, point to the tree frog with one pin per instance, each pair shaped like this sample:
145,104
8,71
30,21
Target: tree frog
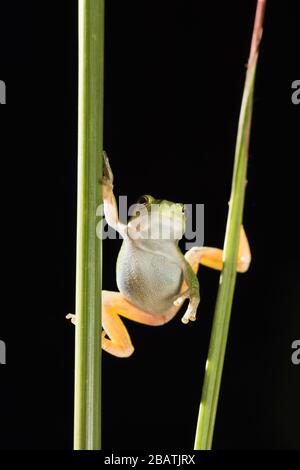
154,278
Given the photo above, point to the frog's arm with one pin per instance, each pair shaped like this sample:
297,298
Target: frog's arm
109,200
190,290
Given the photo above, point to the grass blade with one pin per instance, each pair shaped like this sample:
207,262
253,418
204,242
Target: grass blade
218,341
87,405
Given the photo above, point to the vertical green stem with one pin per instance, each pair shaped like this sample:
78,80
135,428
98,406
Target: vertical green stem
87,406
218,341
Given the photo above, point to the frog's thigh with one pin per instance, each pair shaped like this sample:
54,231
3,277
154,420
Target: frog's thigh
213,257
115,302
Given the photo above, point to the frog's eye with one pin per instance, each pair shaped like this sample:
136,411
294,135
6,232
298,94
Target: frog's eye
143,200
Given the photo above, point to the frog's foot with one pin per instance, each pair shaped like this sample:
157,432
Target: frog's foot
71,317
213,257
115,337
107,178
190,314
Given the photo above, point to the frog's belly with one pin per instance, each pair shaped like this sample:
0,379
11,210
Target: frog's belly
149,281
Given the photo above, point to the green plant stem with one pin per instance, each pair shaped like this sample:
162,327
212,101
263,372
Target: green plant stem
87,405
218,341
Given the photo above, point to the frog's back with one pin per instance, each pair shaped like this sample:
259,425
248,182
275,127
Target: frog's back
148,280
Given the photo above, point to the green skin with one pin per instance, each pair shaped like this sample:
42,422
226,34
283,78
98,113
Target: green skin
151,271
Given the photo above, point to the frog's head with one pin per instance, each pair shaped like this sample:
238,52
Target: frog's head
157,219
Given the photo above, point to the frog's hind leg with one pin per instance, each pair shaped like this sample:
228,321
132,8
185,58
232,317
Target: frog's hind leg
115,305
118,342
213,257
116,302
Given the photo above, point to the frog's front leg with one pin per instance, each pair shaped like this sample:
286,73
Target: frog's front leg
113,305
190,290
109,200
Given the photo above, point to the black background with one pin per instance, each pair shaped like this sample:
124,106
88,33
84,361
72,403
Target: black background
174,73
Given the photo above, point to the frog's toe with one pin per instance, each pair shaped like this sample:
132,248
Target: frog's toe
189,315
108,176
179,301
71,317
